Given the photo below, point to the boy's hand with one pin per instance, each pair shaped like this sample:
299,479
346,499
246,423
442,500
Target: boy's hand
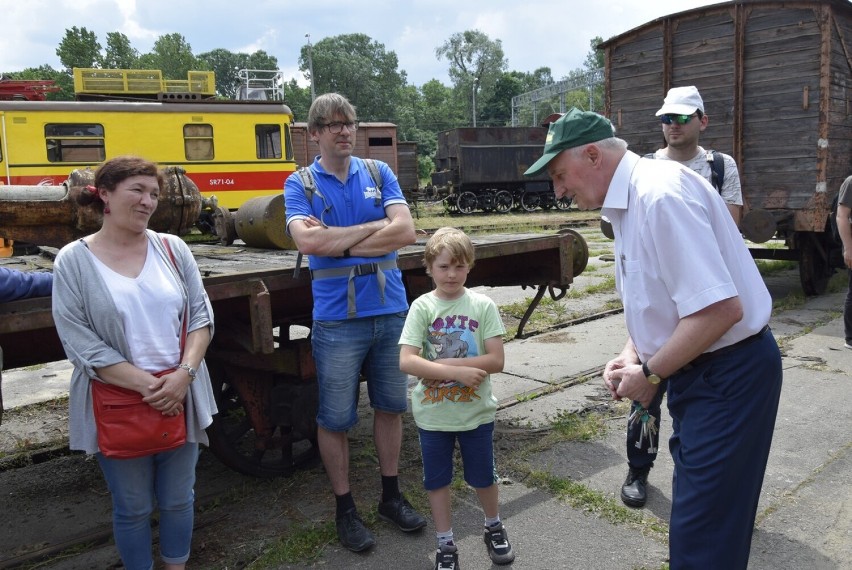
469,376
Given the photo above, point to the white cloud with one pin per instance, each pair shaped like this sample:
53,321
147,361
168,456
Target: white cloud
547,33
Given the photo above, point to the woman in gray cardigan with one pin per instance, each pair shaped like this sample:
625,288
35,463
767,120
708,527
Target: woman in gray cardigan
118,302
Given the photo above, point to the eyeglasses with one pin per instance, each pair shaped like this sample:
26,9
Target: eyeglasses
669,118
337,127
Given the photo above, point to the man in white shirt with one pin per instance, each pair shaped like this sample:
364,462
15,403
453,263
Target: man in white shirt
697,311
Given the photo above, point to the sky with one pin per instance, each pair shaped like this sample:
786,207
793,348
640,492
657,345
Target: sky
540,33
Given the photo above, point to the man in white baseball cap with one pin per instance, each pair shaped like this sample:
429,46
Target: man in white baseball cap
683,119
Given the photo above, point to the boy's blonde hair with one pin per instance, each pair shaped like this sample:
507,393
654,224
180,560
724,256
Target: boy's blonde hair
453,240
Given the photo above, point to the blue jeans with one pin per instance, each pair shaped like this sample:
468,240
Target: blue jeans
477,451
135,485
342,349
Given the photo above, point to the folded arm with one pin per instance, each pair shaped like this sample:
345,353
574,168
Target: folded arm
370,239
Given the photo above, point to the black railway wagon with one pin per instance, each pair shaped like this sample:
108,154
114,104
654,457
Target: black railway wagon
483,168
776,79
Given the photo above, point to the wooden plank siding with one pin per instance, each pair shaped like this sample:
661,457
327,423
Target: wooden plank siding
776,79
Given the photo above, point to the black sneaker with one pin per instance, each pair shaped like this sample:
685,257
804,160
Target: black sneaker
352,532
497,542
400,512
447,558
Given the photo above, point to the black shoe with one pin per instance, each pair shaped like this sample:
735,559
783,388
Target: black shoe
352,532
447,558
497,543
400,512
634,492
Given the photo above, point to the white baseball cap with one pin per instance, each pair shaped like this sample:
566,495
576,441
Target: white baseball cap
682,101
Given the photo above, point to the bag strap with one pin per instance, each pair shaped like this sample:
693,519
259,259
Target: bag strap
310,187
185,306
373,169
717,168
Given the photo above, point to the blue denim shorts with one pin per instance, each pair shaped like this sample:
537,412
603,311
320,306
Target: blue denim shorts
477,451
342,349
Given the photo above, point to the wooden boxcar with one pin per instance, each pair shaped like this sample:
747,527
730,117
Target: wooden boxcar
776,79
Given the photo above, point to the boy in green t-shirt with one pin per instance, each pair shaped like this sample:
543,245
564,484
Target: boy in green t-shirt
452,341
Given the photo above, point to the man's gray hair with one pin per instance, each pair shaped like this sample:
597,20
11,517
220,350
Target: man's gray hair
612,143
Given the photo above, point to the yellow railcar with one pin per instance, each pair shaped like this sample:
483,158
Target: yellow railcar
233,150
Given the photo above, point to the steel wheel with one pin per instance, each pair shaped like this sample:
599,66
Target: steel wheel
530,201
249,440
563,203
503,201
467,202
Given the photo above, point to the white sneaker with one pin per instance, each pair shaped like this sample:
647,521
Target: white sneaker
848,345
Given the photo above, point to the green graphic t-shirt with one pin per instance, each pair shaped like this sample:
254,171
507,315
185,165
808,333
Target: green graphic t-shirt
452,329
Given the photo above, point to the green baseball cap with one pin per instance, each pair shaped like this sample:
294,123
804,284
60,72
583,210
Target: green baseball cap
574,128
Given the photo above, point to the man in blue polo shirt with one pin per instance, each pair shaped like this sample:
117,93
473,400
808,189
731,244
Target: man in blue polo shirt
351,221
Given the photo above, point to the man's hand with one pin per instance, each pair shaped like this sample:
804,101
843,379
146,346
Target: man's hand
617,363
630,382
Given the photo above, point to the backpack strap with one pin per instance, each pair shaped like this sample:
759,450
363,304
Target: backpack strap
311,189
373,169
717,169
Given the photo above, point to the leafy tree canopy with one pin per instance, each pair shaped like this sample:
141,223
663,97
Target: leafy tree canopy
119,54
173,56
476,62
358,68
79,48
227,65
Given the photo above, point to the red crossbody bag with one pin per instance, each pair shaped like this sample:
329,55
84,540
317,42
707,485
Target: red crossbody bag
127,426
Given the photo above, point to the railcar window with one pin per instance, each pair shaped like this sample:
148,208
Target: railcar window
288,142
198,142
380,141
268,141
74,142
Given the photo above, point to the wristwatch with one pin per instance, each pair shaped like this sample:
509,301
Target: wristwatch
189,370
652,378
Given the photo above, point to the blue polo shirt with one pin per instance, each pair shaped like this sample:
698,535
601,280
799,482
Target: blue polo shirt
341,205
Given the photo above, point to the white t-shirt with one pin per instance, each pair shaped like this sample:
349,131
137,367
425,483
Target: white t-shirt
150,306
732,192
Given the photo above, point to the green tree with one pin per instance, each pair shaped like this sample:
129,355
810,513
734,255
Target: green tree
298,99
595,59
359,68
497,111
119,54
476,62
79,48
441,110
62,79
172,55
227,66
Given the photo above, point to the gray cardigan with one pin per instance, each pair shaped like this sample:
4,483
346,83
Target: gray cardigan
93,335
